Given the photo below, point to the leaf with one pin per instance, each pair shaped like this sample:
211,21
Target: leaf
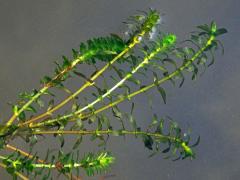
220,31
183,79
82,76
171,61
213,59
119,72
196,143
66,62
40,103
75,54
205,28
61,138
132,119
148,141
77,143
31,109
195,71
162,92
33,140
15,109
213,27
160,127
116,112
50,104
167,149
157,66
45,80
22,116
134,80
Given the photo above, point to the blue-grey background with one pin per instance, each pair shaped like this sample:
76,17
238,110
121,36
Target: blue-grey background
35,33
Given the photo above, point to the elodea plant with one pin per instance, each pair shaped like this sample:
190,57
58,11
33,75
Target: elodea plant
145,59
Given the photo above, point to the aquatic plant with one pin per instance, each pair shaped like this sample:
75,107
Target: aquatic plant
146,53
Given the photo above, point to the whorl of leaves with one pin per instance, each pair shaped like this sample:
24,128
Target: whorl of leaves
96,164
103,49
64,163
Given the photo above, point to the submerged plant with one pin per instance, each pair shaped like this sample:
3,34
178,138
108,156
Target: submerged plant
145,54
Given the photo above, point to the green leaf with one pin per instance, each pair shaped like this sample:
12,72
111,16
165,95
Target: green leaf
171,61
154,121
134,80
75,54
205,28
213,27
61,138
66,62
40,103
160,127
77,143
46,79
31,109
196,143
163,93
148,141
22,116
167,149
15,109
220,31
116,112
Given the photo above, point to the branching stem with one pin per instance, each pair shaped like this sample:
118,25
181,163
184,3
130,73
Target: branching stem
88,83
144,89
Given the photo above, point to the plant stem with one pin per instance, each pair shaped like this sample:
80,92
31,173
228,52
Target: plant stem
88,83
146,88
12,148
102,132
44,89
129,75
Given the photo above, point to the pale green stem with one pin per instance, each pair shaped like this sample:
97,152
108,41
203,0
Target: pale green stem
170,76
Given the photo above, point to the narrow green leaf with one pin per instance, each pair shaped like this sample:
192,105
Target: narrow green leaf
220,31
163,93
77,143
148,142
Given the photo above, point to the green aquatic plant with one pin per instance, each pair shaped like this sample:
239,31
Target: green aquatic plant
146,53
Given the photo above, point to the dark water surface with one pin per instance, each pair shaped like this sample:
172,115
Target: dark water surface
35,33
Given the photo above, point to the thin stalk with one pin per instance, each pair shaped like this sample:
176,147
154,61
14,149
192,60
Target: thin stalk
12,148
45,88
146,88
42,165
129,75
102,132
88,83
26,154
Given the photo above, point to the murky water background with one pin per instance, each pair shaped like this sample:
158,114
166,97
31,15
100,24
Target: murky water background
35,33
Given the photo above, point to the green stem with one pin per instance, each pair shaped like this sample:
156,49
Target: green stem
88,83
129,75
146,88
102,132
44,89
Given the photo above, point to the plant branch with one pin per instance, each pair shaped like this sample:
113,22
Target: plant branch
12,148
144,89
88,83
101,132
